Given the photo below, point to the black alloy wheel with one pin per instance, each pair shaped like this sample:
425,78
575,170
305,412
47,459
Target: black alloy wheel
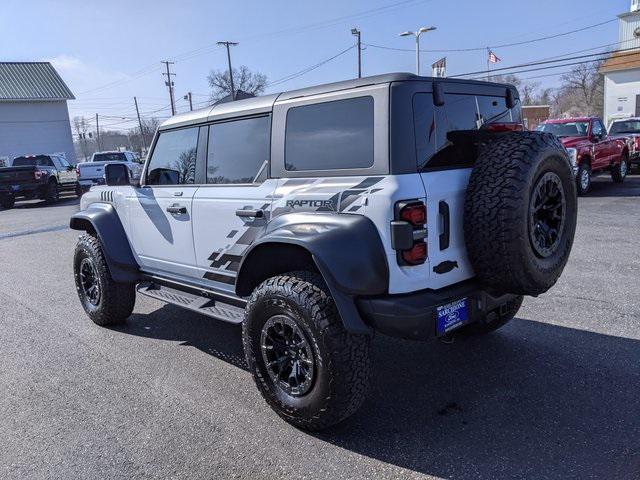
547,215
288,355
89,281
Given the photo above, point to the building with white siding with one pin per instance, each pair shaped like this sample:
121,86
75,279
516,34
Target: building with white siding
34,118
622,70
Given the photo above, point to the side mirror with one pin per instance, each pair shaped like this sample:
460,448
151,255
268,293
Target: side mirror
116,174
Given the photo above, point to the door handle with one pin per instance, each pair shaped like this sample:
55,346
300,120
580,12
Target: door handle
177,209
445,236
250,213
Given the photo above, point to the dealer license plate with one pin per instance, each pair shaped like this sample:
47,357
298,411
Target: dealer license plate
452,316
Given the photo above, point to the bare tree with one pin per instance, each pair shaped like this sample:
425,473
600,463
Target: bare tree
243,79
139,138
582,90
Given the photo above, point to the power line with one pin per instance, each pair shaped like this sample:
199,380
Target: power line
308,69
603,56
505,45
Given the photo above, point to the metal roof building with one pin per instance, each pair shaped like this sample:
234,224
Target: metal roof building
34,118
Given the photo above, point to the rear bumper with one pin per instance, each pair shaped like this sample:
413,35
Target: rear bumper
22,190
88,183
413,315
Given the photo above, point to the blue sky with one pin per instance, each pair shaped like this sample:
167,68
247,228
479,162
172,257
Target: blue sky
111,50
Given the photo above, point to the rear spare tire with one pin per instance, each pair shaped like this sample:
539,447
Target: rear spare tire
520,212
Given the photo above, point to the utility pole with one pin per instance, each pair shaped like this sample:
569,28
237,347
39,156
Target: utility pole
230,44
98,133
144,142
188,97
169,83
357,33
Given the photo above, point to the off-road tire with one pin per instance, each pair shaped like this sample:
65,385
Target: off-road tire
617,173
7,202
498,210
342,364
116,299
52,193
484,326
583,169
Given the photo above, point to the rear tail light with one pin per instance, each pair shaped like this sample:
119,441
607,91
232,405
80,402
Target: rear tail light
38,174
417,255
408,232
504,127
415,214
78,169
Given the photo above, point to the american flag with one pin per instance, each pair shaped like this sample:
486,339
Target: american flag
493,58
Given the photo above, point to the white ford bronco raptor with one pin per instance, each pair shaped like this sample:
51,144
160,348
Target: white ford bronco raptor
410,206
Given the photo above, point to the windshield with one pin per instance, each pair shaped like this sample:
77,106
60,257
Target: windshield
40,160
568,129
109,157
628,126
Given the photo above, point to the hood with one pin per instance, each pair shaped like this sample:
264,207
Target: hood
569,142
625,135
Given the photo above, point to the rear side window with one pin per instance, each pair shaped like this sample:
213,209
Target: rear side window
439,131
238,150
109,157
173,161
330,136
38,160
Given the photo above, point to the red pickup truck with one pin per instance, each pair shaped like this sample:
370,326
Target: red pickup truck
591,149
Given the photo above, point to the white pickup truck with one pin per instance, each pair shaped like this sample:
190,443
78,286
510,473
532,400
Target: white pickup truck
92,172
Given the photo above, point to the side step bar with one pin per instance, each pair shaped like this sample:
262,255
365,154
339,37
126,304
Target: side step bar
195,303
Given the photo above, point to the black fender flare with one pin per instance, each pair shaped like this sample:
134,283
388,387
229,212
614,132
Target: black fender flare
103,219
346,249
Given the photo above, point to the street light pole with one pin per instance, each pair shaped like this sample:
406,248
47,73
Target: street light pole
230,44
418,54
417,35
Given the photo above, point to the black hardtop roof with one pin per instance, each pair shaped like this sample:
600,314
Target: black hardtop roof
374,80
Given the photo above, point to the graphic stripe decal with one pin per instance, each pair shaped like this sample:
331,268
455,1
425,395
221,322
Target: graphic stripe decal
216,277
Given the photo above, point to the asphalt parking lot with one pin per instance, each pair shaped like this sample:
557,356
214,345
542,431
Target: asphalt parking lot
554,395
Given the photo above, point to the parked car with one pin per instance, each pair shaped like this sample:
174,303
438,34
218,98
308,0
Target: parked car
592,150
410,206
36,176
92,172
628,128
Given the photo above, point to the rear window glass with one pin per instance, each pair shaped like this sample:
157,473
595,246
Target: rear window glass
330,136
109,157
437,144
40,161
238,150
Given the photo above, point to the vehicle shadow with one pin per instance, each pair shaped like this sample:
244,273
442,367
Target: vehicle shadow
604,187
530,401
217,338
